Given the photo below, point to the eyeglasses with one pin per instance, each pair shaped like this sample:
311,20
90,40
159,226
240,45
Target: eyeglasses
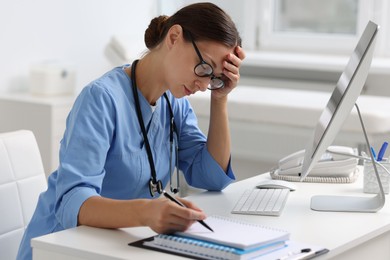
203,69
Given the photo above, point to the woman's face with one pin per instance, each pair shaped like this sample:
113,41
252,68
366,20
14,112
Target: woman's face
181,78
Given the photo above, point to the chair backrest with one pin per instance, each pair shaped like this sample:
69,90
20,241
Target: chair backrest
22,179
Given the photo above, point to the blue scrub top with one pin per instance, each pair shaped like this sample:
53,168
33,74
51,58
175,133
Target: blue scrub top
102,153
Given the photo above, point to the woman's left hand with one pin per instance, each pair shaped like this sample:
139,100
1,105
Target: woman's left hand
231,72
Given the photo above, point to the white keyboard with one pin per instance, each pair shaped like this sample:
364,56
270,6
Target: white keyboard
269,202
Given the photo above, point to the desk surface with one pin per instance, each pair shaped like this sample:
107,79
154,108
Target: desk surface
339,232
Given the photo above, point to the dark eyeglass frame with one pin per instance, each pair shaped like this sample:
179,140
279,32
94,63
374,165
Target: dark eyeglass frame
215,82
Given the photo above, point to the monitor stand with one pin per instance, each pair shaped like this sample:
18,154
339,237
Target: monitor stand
349,203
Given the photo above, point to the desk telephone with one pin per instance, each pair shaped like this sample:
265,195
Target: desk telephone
329,165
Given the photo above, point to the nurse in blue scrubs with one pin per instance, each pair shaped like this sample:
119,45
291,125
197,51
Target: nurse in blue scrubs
130,129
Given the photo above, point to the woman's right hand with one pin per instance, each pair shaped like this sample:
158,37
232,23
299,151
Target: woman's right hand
165,216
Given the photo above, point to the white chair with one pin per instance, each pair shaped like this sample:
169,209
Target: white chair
22,179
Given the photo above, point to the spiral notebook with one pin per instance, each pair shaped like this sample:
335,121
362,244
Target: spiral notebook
231,239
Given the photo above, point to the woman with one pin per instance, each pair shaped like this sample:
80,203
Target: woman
118,147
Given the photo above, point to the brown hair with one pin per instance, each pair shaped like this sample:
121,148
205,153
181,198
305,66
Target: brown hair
204,21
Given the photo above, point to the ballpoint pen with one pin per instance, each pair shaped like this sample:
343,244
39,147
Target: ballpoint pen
294,255
167,195
373,153
382,151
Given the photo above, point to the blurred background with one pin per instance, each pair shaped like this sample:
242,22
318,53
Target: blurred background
51,49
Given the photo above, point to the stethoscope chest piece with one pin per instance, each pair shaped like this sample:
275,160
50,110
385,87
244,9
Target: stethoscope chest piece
155,187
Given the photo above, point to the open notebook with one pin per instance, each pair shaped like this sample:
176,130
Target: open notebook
235,233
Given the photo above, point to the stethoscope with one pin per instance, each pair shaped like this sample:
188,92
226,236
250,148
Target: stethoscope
154,184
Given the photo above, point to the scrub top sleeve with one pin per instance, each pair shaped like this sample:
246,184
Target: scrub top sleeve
70,207
89,132
199,167
211,176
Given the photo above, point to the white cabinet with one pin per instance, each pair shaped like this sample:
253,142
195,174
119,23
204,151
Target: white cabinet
45,116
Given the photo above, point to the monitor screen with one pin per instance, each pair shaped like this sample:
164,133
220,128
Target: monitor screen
342,100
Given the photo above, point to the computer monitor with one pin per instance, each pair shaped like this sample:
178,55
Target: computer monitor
339,106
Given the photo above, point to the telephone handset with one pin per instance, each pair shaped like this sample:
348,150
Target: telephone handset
329,165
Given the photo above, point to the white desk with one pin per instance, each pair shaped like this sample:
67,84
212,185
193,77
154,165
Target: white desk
347,235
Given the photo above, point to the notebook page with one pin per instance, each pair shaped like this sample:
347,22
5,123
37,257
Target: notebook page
235,233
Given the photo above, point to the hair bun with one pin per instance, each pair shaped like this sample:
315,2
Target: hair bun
155,31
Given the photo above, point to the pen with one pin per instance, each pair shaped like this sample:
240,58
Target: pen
304,256
167,195
373,153
294,255
382,151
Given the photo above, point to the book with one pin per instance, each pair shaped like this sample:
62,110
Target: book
231,239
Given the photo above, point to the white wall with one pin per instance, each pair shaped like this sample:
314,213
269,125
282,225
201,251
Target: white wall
71,31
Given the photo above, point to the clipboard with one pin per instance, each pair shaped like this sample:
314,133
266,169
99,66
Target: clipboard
290,252
140,244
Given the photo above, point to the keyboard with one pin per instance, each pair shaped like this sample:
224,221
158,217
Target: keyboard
268,202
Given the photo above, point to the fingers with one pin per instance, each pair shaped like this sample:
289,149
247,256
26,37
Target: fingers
189,204
232,65
191,212
234,61
240,53
179,224
232,69
169,216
